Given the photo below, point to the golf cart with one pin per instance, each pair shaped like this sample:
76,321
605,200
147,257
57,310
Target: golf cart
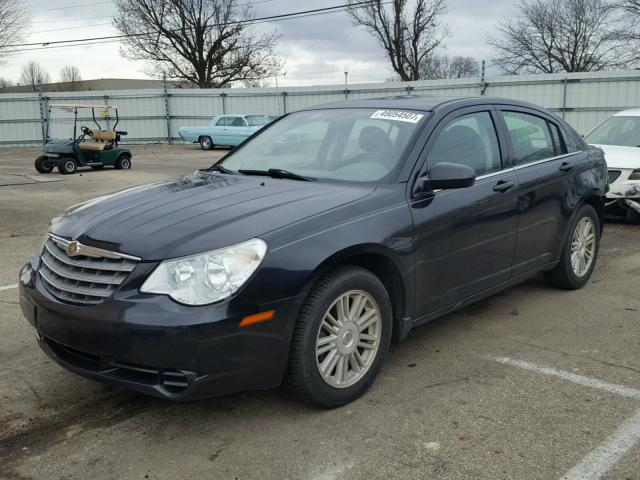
93,146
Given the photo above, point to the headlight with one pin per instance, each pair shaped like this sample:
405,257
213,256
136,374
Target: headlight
635,175
207,277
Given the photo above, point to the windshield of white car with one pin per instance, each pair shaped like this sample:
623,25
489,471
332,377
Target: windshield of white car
257,120
622,131
357,145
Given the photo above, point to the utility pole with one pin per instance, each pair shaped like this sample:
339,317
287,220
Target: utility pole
346,85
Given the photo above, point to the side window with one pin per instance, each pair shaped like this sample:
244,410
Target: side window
235,122
559,146
531,137
222,122
470,140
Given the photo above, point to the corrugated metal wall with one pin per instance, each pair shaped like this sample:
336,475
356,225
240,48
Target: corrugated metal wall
583,99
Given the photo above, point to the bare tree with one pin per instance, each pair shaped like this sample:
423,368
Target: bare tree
202,42
410,32
443,66
561,36
630,13
14,19
33,75
631,6
70,76
5,83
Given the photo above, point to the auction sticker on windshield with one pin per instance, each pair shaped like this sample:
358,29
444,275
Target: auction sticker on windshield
397,115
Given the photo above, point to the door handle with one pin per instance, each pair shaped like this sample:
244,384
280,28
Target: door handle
566,167
504,186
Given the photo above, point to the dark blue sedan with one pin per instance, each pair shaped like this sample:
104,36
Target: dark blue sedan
300,255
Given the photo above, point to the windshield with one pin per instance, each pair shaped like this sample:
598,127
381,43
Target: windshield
257,120
60,123
359,145
623,131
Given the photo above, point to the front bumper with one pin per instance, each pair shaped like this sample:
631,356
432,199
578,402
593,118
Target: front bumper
152,345
624,193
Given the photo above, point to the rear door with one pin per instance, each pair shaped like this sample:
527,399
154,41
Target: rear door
465,237
544,169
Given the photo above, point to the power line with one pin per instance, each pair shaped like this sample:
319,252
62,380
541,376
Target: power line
111,1
72,28
284,16
72,6
80,19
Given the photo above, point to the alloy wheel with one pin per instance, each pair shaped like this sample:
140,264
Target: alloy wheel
583,245
348,339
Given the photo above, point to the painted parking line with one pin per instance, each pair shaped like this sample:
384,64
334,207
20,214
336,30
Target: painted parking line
605,456
597,462
9,287
573,377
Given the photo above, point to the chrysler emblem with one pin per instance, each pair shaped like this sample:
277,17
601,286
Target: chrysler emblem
72,248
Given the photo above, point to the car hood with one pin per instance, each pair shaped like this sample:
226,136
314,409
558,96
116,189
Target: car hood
621,157
197,213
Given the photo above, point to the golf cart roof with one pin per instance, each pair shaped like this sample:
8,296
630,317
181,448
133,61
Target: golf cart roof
80,105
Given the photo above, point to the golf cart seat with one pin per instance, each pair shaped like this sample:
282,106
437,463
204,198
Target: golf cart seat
104,135
94,146
102,140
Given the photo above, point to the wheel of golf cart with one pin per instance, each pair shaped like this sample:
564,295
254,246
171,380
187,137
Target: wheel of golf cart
206,143
123,162
44,165
67,166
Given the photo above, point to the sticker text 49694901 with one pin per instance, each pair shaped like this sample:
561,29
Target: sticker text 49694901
398,115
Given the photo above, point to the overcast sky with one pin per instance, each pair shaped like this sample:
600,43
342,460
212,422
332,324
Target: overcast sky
317,49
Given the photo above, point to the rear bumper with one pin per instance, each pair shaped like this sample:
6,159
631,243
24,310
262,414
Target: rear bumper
154,346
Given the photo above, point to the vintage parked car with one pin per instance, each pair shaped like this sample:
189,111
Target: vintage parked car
302,265
619,137
225,130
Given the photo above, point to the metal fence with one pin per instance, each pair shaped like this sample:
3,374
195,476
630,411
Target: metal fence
154,116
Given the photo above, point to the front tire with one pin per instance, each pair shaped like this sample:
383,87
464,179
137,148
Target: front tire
206,143
43,164
67,166
341,337
580,252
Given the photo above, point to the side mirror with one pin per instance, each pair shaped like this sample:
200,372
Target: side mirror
445,175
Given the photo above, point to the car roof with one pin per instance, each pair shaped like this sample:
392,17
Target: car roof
634,112
421,102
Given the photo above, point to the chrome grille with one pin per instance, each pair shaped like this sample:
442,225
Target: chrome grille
85,278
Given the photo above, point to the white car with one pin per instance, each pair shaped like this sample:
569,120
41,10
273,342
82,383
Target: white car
619,137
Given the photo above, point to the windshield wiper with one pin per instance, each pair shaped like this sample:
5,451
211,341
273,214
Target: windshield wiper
278,173
218,168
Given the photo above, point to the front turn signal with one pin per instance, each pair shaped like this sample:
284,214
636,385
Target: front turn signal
257,318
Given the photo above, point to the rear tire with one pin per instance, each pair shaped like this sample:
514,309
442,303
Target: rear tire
123,162
580,251
43,164
206,143
341,337
67,166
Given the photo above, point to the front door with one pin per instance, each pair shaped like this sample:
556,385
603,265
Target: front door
465,237
236,130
